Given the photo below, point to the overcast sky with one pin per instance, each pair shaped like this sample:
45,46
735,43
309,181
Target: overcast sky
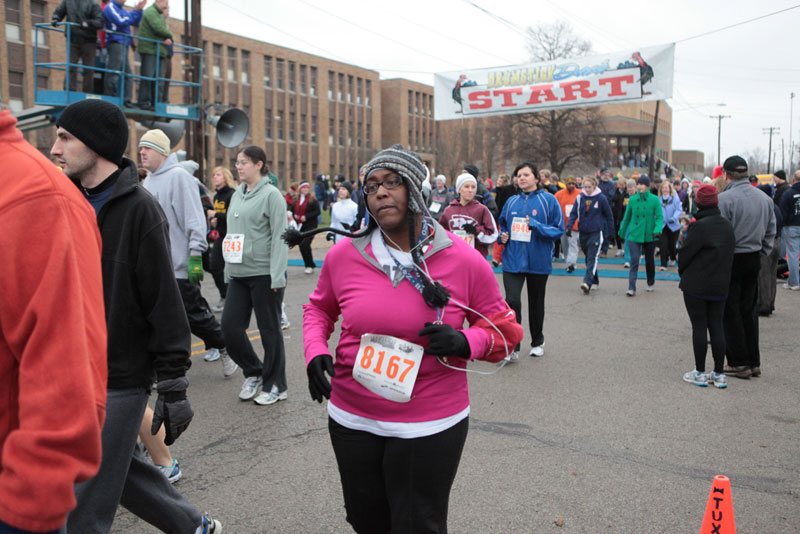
751,68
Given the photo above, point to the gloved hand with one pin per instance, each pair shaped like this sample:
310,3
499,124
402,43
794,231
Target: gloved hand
445,340
656,237
569,232
195,269
329,236
470,229
172,408
318,385
54,22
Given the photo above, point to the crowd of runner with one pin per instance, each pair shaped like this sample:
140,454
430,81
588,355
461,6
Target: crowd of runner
396,392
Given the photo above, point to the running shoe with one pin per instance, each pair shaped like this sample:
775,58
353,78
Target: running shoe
250,387
756,371
308,270
229,367
620,253
791,287
651,288
662,268
219,307
570,268
212,355
172,472
718,380
209,526
513,356
627,265
595,287
696,378
265,399
630,293
585,288
537,351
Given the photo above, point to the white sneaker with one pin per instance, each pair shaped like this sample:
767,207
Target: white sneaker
790,287
250,387
219,306
513,356
595,287
266,398
212,355
697,378
308,270
627,265
630,293
662,269
585,288
651,288
229,367
620,253
718,380
285,324
537,351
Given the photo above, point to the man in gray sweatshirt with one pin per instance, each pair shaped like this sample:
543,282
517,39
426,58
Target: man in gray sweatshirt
179,197
753,219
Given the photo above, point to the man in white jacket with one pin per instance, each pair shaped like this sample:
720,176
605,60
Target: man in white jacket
179,197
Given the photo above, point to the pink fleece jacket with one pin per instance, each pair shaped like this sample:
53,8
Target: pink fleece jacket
352,284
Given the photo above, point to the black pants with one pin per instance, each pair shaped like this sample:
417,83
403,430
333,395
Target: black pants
706,316
537,284
741,312
305,251
216,266
395,485
767,279
201,321
83,52
246,295
668,245
617,239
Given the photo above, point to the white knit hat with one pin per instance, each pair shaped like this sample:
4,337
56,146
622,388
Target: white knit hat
464,178
157,140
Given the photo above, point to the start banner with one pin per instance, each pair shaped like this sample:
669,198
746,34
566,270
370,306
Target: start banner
631,76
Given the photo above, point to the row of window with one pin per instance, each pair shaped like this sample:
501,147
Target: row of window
420,104
274,124
14,30
357,90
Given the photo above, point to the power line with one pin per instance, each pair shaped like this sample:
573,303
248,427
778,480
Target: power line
518,29
381,35
735,25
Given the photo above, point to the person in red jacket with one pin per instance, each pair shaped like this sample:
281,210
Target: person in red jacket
52,297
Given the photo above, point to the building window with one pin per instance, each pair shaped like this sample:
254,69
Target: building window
349,88
302,79
291,126
231,64
279,119
368,92
430,105
410,102
267,71
16,91
217,66
302,127
292,68
279,73
331,131
42,81
369,135
313,81
268,123
245,75
416,103
341,132
340,92
359,88
13,21
313,129
38,16
331,84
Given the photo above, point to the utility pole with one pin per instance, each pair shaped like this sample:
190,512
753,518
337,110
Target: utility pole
791,146
719,135
770,131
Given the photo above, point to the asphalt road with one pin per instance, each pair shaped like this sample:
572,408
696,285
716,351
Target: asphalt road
600,435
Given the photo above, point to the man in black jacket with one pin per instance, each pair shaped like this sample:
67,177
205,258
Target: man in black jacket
148,332
86,18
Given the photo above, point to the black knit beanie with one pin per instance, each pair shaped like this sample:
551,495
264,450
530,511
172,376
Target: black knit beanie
100,125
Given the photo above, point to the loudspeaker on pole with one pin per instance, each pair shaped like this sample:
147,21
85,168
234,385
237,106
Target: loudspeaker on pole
232,127
173,129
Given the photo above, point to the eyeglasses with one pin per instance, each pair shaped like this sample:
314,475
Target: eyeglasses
392,182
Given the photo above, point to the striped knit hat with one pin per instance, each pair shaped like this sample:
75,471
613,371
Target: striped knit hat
409,166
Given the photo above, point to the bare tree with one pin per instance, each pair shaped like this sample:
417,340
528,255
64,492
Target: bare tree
562,137
756,159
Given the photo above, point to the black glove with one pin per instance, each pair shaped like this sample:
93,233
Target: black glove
569,233
318,385
329,236
656,237
470,229
445,340
172,408
54,22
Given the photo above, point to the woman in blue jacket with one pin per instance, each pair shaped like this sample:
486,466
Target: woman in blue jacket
672,209
530,223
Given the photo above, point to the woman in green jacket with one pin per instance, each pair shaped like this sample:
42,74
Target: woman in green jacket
255,268
642,221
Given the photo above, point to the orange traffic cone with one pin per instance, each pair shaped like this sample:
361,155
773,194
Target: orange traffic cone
718,518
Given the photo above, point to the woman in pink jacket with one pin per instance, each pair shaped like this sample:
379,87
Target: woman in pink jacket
398,399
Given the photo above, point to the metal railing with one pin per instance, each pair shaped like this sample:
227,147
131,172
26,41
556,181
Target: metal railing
160,84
